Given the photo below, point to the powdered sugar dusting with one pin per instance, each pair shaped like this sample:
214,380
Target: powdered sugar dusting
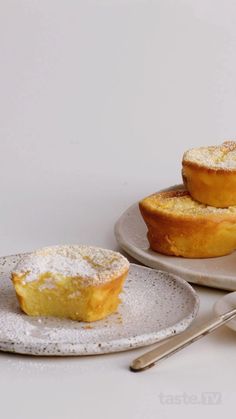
90,264
179,201
216,157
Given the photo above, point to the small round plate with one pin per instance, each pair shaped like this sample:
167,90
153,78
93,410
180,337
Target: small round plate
224,304
131,231
155,305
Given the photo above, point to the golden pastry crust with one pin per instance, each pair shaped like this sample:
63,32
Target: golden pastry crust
209,174
179,226
78,282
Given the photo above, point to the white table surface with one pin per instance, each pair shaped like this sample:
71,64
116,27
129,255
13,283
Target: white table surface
98,101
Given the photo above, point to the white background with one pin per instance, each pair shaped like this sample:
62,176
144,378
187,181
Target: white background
98,102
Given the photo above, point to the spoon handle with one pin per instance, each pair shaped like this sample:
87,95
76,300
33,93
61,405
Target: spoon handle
150,358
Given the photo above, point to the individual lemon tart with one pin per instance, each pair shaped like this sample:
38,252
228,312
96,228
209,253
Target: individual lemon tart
179,226
209,174
77,282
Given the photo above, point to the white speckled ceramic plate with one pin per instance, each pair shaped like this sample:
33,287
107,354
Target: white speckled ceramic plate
130,232
155,305
224,304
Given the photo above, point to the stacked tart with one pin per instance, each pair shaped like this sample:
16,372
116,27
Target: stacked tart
209,174
197,220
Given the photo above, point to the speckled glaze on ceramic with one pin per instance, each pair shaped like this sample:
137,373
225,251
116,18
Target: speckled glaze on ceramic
155,305
131,231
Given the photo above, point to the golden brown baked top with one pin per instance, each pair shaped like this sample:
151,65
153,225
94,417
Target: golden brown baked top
214,157
92,265
179,202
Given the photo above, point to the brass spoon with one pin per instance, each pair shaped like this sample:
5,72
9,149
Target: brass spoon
173,345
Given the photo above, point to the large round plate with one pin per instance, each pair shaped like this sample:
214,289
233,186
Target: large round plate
155,305
130,232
